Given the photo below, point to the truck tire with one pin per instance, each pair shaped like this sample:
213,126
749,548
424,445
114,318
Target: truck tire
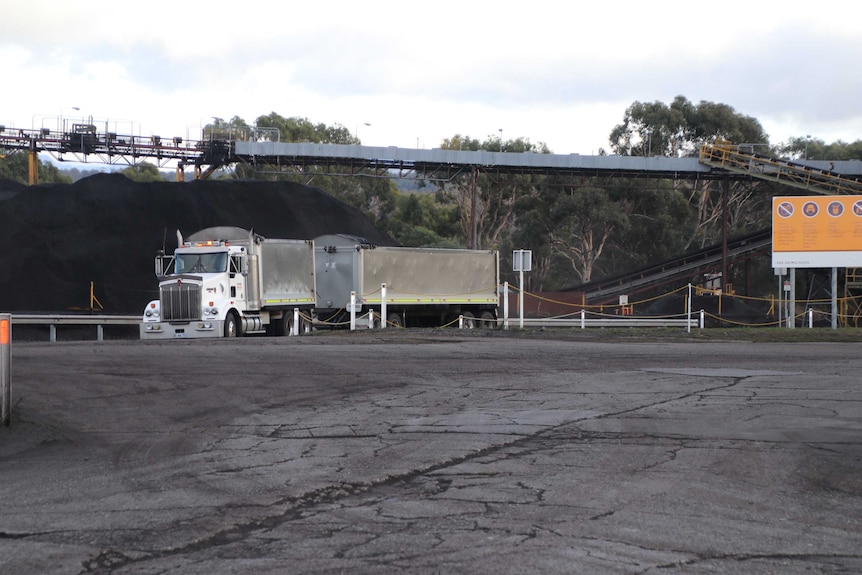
393,319
306,326
469,320
282,325
231,326
487,320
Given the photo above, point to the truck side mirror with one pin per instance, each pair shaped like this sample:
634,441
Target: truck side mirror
160,264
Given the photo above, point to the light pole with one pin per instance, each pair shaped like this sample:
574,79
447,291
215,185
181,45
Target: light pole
62,126
501,138
807,139
356,133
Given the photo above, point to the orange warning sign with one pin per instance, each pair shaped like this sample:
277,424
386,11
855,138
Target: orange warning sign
4,332
817,224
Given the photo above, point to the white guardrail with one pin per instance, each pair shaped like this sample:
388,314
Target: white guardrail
622,321
53,321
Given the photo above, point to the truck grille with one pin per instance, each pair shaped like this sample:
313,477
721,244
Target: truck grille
181,302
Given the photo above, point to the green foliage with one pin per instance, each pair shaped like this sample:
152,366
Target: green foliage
487,200
816,149
656,129
303,130
16,168
425,220
572,227
143,172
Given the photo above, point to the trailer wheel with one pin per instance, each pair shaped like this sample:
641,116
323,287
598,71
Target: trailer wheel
231,326
469,320
487,320
306,326
394,319
281,326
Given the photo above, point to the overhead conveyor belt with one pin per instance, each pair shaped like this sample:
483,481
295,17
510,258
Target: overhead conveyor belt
742,160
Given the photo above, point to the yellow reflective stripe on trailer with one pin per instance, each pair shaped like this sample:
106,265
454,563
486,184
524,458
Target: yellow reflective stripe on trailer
432,300
290,300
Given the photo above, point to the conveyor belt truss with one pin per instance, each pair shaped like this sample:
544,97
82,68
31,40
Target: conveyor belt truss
707,259
742,160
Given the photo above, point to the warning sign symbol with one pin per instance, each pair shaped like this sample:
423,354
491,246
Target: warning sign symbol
835,209
785,209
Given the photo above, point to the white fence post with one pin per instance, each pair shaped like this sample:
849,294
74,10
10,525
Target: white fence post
506,306
521,300
583,319
295,326
810,318
383,312
353,311
702,318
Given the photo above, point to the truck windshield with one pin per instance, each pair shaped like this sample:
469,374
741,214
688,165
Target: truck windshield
201,263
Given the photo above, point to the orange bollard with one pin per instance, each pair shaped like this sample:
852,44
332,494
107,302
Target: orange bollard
5,371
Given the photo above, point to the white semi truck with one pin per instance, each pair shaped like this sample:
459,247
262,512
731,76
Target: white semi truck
228,282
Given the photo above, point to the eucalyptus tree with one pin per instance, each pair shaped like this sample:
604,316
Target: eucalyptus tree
810,148
487,199
591,227
679,130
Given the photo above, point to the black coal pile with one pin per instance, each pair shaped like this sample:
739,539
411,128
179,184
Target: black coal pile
105,230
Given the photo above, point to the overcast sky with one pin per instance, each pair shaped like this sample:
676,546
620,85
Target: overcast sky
406,73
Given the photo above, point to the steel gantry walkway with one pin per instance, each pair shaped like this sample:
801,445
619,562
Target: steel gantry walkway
84,143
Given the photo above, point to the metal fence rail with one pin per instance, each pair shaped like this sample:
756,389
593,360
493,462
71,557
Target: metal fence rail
625,321
55,320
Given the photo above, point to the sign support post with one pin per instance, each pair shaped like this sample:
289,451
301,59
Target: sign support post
522,261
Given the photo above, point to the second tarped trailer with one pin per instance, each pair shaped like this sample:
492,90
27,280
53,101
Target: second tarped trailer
424,286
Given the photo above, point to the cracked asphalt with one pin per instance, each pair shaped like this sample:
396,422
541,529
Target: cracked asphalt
432,452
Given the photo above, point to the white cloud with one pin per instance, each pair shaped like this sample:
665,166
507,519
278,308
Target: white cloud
429,71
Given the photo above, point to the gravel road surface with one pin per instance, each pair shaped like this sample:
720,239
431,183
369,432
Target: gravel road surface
432,452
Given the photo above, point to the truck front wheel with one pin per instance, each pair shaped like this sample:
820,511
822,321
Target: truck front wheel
231,326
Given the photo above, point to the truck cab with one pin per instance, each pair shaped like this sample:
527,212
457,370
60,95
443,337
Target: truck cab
201,287
226,282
